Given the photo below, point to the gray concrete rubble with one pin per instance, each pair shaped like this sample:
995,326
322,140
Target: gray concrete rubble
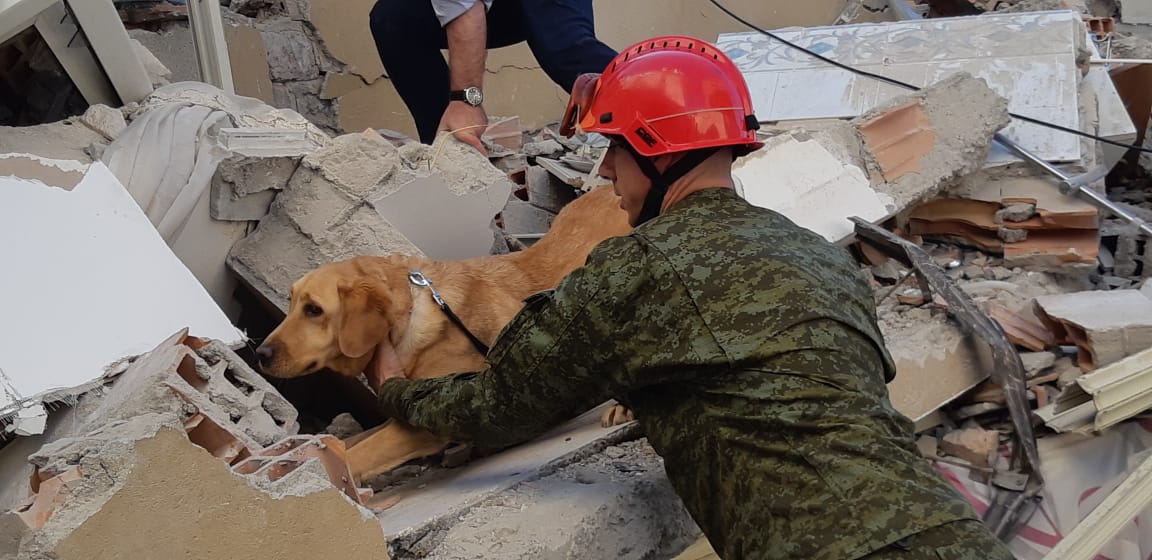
921,143
614,504
361,195
188,442
578,491
140,489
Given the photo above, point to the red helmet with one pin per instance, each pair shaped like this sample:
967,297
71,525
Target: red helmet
665,95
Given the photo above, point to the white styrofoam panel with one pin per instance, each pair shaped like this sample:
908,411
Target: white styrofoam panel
1028,58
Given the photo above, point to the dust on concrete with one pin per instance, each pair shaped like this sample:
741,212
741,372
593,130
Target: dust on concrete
966,114
919,332
911,331
614,504
357,164
105,458
461,167
65,139
1130,46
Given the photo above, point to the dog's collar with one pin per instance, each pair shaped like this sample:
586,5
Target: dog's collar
417,278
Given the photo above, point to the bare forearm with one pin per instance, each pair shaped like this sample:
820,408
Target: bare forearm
467,47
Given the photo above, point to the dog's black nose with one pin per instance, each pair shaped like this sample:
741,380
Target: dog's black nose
265,354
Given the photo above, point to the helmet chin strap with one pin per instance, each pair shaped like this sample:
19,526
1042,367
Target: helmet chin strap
661,182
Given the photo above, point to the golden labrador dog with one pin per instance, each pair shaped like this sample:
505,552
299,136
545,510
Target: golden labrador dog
363,315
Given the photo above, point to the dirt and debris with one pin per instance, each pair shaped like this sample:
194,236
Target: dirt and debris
1057,277
947,143
568,511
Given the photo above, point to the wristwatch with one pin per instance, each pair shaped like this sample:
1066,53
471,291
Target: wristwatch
471,95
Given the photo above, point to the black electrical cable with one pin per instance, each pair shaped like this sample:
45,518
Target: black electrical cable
898,83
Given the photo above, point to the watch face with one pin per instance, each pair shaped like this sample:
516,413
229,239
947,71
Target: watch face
473,96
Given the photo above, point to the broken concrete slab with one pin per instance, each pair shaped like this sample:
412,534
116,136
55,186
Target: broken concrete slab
921,143
1029,59
546,191
613,504
211,381
244,187
142,284
105,120
135,485
65,140
522,217
1105,326
935,361
428,506
361,195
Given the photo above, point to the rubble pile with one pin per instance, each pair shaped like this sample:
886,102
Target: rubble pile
1017,310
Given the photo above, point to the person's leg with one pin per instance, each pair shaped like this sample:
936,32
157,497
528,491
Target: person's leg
409,38
562,35
958,540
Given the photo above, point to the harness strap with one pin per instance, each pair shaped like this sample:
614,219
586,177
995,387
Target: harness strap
417,278
662,181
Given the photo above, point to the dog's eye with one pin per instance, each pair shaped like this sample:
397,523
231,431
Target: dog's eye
312,310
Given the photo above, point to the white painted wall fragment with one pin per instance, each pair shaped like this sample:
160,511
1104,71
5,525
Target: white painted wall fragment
88,281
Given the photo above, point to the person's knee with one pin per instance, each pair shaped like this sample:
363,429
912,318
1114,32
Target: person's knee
391,21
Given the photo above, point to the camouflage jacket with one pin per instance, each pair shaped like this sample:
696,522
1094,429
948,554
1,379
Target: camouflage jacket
748,349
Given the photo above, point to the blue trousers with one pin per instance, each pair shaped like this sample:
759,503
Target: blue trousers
561,34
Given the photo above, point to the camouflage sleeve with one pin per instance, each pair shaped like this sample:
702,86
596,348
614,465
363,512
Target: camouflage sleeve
554,360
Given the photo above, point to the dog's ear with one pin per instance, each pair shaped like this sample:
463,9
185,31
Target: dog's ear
362,323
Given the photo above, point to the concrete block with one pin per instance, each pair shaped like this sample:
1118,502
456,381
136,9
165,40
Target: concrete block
146,492
546,191
1136,11
105,120
230,408
921,144
243,188
361,195
522,217
1105,326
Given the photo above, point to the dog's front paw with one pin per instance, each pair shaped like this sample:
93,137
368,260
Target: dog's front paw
616,415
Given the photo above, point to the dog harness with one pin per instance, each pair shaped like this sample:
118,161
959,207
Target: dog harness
417,278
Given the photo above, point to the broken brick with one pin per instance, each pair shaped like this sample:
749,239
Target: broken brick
286,456
48,495
975,445
1105,326
1022,330
899,138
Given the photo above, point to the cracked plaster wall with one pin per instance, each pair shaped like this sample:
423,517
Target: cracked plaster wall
318,57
